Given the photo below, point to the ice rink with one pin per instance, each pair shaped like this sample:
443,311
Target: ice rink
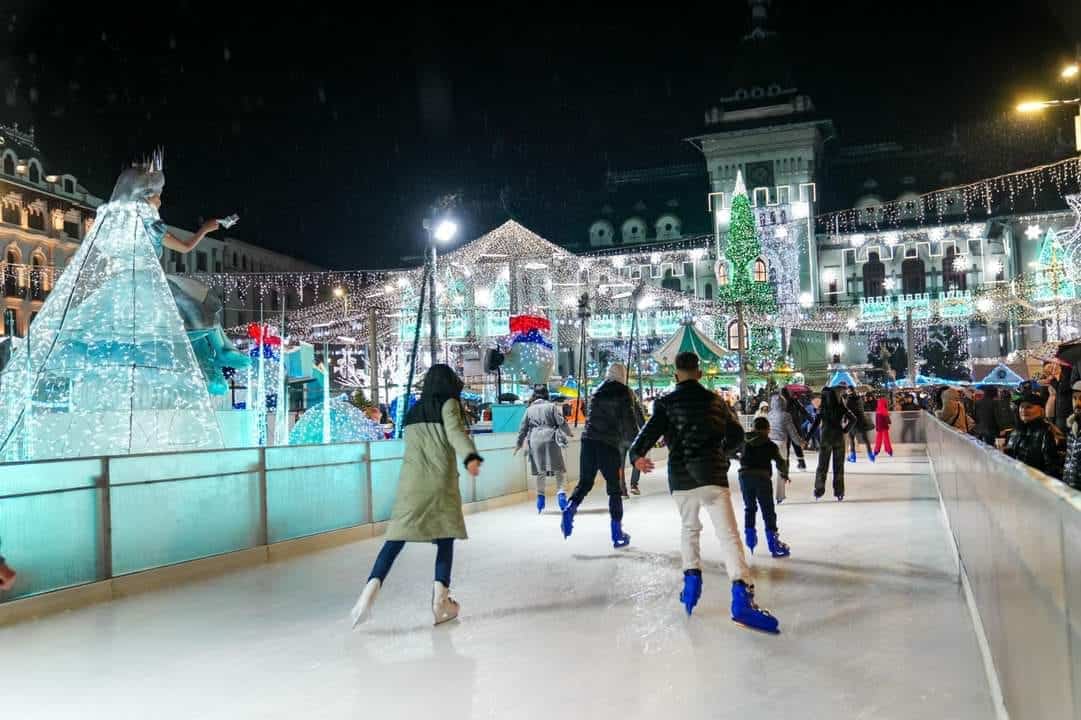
873,619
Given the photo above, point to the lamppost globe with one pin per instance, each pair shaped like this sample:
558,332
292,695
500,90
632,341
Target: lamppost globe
1070,71
806,300
339,292
445,231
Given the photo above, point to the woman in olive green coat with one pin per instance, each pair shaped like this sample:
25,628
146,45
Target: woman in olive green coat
428,507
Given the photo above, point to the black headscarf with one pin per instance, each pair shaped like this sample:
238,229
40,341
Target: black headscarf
540,392
440,384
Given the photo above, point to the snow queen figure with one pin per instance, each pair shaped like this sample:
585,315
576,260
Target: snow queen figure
199,308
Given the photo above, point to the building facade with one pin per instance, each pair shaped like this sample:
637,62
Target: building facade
44,214
864,230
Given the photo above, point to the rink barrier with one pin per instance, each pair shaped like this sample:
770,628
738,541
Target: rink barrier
1017,534
92,529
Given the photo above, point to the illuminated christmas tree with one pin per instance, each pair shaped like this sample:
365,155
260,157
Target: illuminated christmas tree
742,250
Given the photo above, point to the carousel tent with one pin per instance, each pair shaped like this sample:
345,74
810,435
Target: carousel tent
1001,375
688,338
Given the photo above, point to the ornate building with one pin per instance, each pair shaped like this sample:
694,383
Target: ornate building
44,213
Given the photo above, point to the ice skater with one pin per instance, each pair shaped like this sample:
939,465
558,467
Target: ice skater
834,417
758,456
7,575
428,507
544,432
702,433
611,424
783,432
859,428
882,427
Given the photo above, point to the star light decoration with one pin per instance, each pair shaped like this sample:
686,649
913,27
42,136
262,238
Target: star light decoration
1033,232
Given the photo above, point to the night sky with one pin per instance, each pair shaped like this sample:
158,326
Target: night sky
330,131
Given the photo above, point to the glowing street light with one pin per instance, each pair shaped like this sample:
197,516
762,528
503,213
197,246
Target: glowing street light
1070,71
445,231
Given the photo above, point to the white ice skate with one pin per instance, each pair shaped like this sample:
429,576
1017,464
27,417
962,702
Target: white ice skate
362,611
444,607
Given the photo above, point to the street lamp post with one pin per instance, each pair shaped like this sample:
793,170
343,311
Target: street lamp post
440,230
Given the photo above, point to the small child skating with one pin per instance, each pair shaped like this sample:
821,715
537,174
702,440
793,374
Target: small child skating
882,428
759,453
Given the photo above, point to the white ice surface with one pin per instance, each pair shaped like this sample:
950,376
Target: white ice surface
874,626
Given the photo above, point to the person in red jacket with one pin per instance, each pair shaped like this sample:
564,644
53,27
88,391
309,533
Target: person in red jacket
882,428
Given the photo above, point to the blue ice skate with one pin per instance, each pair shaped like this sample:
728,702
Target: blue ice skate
561,498
620,539
566,523
749,615
540,504
776,548
692,589
750,535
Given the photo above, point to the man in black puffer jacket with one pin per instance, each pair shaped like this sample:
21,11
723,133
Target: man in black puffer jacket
612,422
702,433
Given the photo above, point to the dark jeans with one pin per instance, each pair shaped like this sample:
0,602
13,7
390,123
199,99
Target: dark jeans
852,435
636,475
757,489
796,449
598,457
837,452
444,559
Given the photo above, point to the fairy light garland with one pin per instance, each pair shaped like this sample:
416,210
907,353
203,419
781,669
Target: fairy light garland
981,196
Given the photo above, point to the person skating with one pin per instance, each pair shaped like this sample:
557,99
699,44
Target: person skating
882,427
783,432
800,420
759,454
428,506
1036,441
611,424
834,419
702,433
7,575
544,432
858,429
1071,472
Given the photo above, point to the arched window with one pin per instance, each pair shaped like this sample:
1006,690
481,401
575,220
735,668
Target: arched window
953,275
671,283
12,256
35,220
874,277
9,165
733,335
35,173
39,280
69,186
707,291
11,322
11,214
913,277
760,273
722,273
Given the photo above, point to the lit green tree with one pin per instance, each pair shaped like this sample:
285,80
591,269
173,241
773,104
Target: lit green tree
741,250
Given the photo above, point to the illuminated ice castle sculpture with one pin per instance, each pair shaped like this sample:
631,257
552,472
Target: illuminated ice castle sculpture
107,367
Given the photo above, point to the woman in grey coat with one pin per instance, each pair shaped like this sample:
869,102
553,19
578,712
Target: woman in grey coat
544,432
